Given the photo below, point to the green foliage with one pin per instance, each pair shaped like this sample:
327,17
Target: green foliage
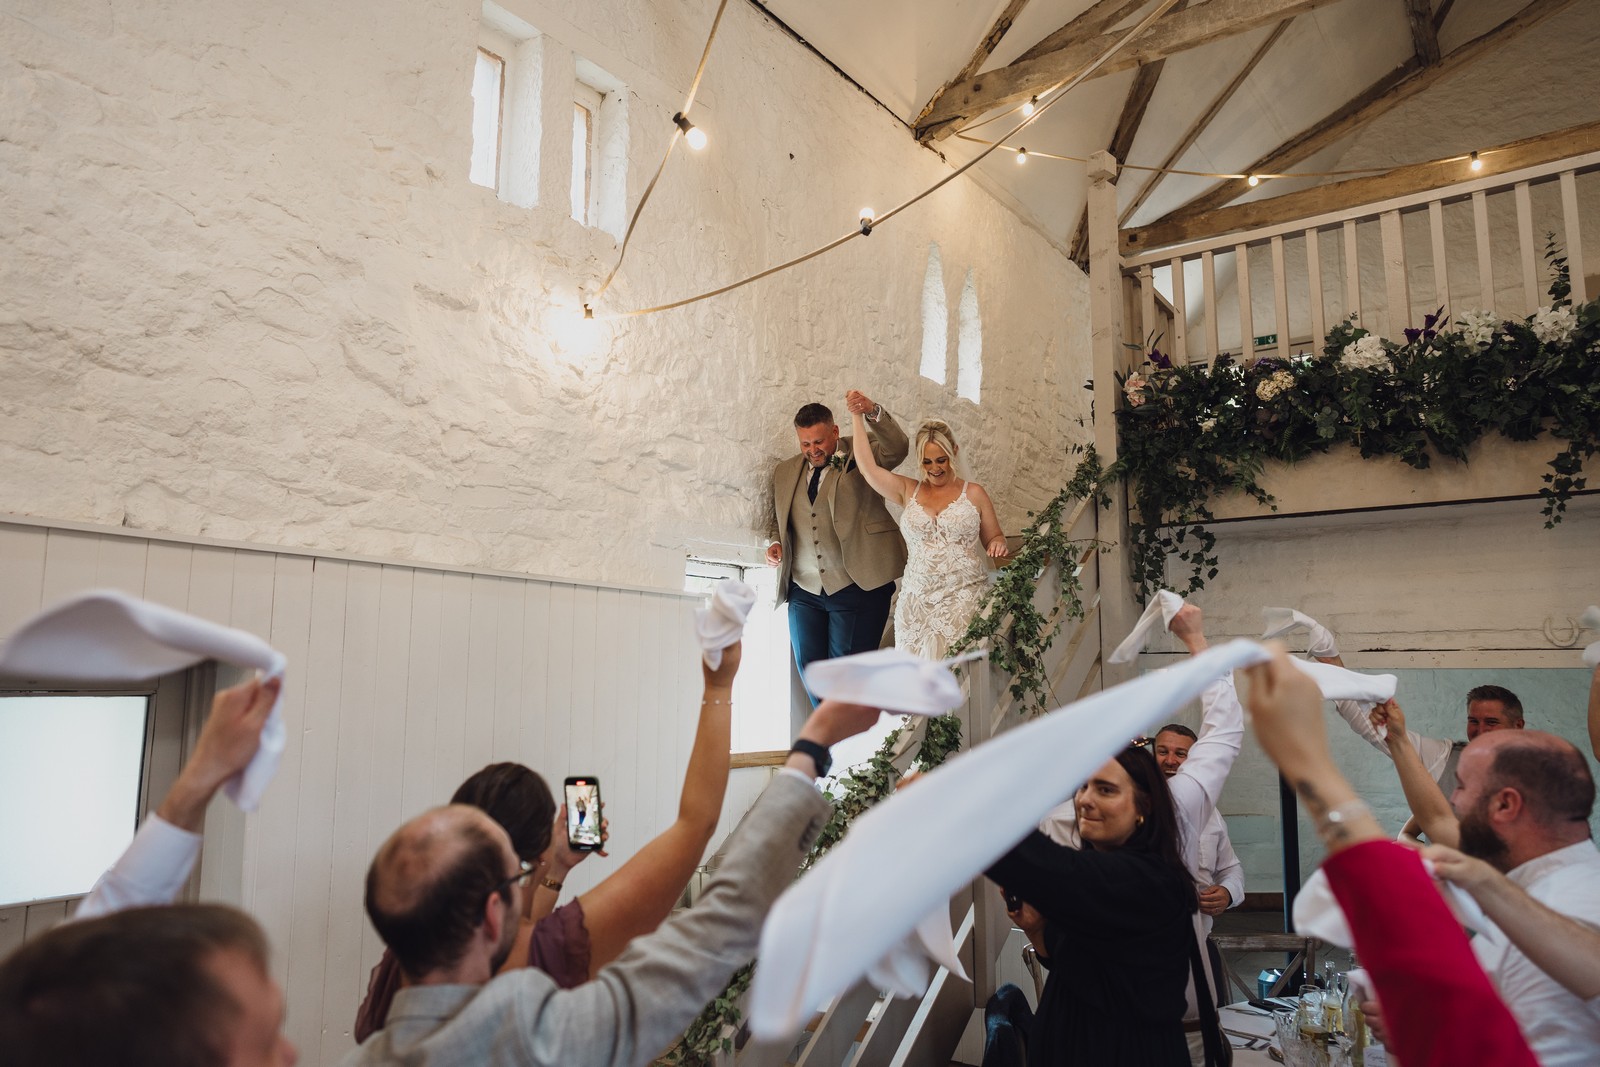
707,1035
1191,433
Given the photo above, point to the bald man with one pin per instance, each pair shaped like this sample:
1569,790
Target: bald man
1522,802
444,893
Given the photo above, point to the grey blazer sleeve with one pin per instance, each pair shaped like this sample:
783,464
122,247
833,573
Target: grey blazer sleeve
888,440
645,999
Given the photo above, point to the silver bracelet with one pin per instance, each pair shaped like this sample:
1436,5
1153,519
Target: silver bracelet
1340,814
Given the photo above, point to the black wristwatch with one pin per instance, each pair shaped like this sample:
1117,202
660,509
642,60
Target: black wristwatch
819,755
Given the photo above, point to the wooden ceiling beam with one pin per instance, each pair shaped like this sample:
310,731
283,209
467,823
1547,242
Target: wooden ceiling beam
1402,181
1200,124
1095,20
1419,13
1440,15
980,55
1394,88
1167,36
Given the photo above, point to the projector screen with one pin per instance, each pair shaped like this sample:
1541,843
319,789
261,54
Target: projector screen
69,790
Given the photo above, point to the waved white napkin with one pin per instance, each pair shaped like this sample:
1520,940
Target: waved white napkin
908,967
721,622
1280,621
1591,619
890,679
1164,605
870,897
1340,683
107,636
1317,912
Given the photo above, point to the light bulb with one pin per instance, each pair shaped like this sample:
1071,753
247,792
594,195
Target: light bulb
866,214
1476,164
1022,156
1030,107
1253,181
691,133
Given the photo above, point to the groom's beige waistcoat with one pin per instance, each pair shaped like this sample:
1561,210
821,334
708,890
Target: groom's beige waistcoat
846,535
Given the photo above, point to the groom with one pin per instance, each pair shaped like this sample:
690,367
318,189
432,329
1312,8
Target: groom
840,551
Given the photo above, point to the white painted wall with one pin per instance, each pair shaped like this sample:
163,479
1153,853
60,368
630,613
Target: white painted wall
256,297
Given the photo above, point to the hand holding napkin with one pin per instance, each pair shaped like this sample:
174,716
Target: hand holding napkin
721,622
107,636
1279,621
890,679
1163,606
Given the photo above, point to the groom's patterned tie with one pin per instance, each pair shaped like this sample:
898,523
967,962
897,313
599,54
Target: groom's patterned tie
811,489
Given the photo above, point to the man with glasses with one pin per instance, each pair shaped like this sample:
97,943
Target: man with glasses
444,893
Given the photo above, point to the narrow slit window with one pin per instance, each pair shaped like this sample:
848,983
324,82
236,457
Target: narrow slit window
488,111
582,173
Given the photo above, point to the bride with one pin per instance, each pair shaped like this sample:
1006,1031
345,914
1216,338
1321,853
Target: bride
950,529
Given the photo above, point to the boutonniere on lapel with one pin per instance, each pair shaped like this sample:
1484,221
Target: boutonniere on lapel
840,460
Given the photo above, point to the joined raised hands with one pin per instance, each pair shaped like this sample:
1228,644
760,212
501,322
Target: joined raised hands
858,403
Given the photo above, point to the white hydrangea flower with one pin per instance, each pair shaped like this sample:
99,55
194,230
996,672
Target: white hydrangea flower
1366,352
1275,383
1554,326
1207,425
1478,326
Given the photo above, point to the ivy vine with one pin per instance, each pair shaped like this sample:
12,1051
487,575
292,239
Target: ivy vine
1188,434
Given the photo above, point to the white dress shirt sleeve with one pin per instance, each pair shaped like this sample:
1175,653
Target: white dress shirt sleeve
151,871
1198,784
1230,872
1435,751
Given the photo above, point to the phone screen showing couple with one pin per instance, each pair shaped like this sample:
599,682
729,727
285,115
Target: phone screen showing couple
583,813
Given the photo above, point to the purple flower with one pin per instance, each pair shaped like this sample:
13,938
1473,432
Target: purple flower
1160,360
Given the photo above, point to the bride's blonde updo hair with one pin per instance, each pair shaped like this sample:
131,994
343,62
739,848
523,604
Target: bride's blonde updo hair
938,433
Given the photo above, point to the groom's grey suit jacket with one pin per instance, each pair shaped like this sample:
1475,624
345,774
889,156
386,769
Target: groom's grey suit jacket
871,549
635,1006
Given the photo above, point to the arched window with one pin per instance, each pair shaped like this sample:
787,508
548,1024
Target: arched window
969,343
935,318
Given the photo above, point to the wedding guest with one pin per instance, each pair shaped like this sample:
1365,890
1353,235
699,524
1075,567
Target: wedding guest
1118,930
1438,1006
951,533
839,553
572,943
444,890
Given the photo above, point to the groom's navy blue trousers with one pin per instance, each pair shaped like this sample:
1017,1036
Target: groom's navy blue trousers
827,627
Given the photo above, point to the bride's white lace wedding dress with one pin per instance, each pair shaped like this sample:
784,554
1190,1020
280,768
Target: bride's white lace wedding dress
946,576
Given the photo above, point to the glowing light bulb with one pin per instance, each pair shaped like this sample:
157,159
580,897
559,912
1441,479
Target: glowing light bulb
1030,107
866,214
691,133
1253,181
1022,156
1476,164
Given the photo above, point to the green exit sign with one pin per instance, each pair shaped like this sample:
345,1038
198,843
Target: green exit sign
1266,339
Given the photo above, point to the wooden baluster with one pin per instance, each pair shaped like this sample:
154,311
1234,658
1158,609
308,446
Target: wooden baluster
1319,322
1280,297
1394,274
1180,316
1241,275
1530,255
1480,223
1352,273
1208,290
1569,214
1441,279
1149,324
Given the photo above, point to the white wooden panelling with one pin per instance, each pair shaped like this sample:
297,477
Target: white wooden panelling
1441,271
1394,273
1529,255
1352,273
1180,315
1280,298
401,681
1241,274
1319,327
1574,237
1480,230
1208,286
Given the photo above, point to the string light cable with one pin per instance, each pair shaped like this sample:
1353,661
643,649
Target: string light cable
867,224
682,128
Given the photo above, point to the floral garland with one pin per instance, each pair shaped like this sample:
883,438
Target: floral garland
1190,433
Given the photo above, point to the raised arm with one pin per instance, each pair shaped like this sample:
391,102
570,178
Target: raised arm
163,852
1428,805
1560,946
1198,784
642,892
890,446
894,488
990,534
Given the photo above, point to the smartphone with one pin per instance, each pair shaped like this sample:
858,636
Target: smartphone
583,814
1013,902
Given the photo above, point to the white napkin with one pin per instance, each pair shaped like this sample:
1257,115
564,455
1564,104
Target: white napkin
890,679
1340,683
908,968
1591,619
721,622
107,636
1317,912
1163,605
902,860
1280,621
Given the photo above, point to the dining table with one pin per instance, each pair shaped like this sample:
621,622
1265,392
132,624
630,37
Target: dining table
1249,1030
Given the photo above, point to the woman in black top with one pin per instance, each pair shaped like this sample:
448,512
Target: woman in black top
1118,924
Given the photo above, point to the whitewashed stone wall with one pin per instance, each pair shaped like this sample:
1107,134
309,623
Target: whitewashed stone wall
250,293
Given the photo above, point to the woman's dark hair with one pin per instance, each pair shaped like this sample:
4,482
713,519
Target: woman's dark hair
1158,832
518,800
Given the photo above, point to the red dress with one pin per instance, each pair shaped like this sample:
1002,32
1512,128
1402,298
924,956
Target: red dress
1438,1006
